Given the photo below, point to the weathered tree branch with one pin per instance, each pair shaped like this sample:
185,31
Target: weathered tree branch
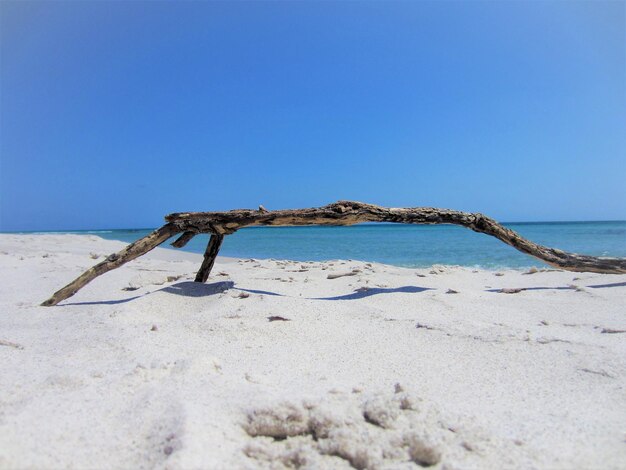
183,239
213,247
132,251
220,224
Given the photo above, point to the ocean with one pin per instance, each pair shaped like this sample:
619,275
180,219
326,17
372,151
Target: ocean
406,245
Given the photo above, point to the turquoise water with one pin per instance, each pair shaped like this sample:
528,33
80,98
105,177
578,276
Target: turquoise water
407,245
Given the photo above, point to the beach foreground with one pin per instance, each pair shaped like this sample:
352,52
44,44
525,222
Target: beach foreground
275,364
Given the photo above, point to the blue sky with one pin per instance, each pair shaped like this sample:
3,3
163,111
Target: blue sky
113,114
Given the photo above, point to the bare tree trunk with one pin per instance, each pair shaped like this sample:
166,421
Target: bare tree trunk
220,224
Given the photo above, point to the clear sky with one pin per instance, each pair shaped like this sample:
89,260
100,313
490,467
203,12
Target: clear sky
113,114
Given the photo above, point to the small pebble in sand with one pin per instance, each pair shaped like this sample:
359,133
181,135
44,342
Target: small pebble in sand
511,290
154,328
499,274
532,270
243,295
612,331
277,318
452,291
338,275
467,446
19,346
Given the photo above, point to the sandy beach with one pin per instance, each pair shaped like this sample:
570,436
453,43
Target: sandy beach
281,364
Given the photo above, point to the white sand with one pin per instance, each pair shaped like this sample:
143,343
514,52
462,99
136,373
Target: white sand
180,375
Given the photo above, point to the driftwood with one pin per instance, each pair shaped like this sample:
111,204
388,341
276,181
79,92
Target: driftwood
220,224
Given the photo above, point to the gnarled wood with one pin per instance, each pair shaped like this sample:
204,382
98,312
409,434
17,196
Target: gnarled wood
132,251
220,224
183,239
350,212
212,249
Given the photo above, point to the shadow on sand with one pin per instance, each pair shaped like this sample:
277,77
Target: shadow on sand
572,287
186,289
533,288
363,293
197,289
104,302
194,289
602,286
